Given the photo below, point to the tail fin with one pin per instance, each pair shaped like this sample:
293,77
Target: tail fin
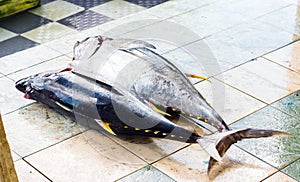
217,145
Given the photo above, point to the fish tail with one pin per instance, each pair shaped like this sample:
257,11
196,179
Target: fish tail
217,145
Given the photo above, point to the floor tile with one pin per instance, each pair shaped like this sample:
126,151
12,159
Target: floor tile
290,104
27,58
15,156
279,177
58,63
87,157
148,173
5,34
27,173
153,32
66,43
48,32
232,43
147,4
88,3
187,62
164,47
254,8
293,170
117,9
149,149
190,164
287,18
230,103
46,1
208,22
16,23
36,127
57,10
172,8
10,98
85,19
256,37
296,2
128,23
218,56
277,151
227,55
267,85
288,56
15,44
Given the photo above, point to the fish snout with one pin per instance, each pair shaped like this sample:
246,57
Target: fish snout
22,85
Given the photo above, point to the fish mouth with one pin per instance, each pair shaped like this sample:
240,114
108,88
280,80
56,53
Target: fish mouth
22,85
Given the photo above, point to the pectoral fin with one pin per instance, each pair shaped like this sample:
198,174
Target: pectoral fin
197,76
158,110
66,108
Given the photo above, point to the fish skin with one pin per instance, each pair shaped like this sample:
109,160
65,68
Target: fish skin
68,95
99,101
78,93
160,82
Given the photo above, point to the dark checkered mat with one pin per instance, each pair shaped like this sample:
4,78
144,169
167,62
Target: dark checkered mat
27,21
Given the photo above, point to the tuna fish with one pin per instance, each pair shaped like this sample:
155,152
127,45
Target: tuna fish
140,102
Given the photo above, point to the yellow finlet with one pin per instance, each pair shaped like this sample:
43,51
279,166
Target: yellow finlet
156,132
105,126
198,117
197,76
147,131
126,126
137,129
164,134
158,110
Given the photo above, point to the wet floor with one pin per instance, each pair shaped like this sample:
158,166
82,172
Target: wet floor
248,48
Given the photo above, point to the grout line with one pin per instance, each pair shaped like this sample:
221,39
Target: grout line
297,160
131,173
292,42
27,162
256,157
143,168
280,64
270,175
22,107
168,155
45,148
8,74
278,109
118,143
241,91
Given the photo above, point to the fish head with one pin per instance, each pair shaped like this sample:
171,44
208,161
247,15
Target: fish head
88,47
33,85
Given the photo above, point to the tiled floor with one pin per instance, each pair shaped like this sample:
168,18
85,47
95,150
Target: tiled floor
248,48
